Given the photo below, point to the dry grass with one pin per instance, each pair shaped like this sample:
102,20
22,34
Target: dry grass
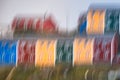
4,71
60,72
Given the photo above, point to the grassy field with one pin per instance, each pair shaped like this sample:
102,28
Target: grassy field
60,72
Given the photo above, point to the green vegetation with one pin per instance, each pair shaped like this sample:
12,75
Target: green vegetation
60,72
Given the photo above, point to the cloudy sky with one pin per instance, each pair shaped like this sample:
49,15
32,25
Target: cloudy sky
66,12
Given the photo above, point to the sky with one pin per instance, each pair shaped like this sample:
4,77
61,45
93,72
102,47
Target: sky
66,12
